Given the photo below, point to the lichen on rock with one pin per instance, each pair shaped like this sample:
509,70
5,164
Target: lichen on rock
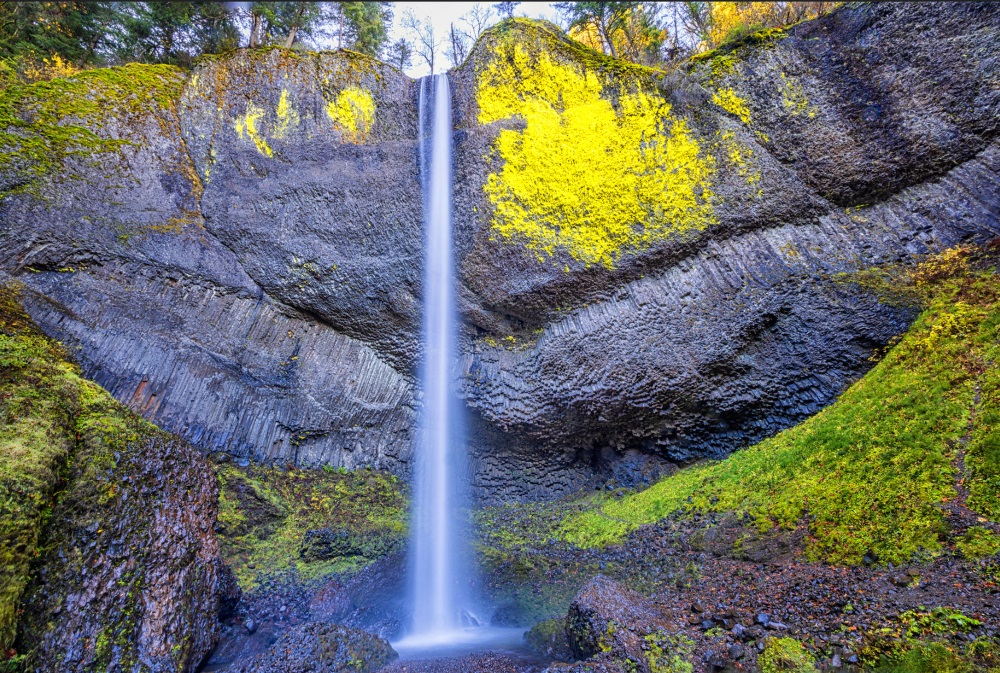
585,175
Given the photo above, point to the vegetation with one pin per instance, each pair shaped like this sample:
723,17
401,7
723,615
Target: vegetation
867,475
42,39
60,437
656,34
923,643
45,123
39,403
265,512
785,654
583,176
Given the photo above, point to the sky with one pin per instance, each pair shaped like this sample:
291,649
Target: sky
443,14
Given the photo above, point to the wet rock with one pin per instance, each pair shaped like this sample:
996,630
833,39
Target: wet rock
606,618
229,592
322,648
741,632
548,639
251,626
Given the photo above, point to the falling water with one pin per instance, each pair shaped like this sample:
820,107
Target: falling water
440,573
438,548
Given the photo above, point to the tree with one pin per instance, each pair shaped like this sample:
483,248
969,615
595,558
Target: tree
506,9
366,26
400,54
478,19
425,44
75,31
458,45
606,18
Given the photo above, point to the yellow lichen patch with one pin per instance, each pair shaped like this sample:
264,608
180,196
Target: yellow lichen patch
248,127
582,176
732,103
740,156
353,114
288,117
794,98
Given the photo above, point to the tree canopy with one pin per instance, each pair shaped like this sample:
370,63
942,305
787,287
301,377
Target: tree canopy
81,34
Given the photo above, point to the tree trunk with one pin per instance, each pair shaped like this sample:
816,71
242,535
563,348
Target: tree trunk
258,21
291,37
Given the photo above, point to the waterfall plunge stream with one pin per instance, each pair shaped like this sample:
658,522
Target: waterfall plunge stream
440,570
438,546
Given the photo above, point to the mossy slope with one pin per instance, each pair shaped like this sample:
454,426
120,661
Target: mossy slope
870,475
80,117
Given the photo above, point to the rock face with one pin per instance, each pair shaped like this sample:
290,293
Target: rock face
322,648
124,567
245,269
130,580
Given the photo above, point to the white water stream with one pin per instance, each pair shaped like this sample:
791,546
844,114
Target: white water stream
440,573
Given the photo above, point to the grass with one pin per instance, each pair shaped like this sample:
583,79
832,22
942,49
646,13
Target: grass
264,513
867,476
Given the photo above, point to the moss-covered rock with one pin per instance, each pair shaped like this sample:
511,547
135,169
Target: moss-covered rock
310,523
109,556
548,639
872,470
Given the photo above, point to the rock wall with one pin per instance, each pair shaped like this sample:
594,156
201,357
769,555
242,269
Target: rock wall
648,261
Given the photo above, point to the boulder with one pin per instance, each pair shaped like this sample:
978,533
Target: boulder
548,639
606,619
130,573
322,648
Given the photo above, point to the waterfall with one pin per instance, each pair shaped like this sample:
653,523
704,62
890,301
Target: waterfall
438,545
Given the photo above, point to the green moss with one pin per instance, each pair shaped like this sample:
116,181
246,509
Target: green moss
979,543
764,37
39,399
541,34
669,653
785,654
930,642
601,168
867,475
45,123
983,453
265,512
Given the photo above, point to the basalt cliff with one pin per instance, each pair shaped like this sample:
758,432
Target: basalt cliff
649,261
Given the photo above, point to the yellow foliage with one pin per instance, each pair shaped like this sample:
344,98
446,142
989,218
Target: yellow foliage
732,103
49,68
582,176
353,113
740,156
249,127
731,17
288,117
